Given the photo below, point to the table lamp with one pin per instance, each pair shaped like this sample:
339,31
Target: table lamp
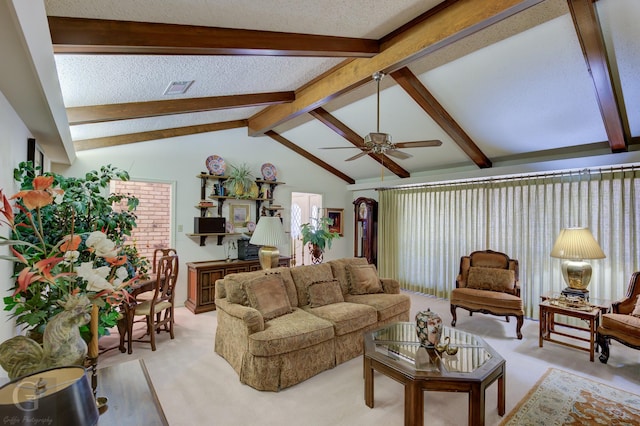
60,395
269,233
574,245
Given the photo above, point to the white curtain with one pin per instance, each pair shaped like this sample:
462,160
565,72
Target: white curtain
423,231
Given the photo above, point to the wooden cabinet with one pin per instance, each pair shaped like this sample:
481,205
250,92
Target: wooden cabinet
366,229
263,203
202,276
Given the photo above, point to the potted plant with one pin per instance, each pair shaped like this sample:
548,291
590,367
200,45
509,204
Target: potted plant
241,182
318,235
67,239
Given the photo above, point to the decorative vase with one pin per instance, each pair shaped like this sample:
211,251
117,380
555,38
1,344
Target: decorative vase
428,328
316,254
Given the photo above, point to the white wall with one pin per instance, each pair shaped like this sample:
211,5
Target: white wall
181,159
13,142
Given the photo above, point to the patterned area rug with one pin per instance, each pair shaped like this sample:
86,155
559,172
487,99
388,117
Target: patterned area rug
562,398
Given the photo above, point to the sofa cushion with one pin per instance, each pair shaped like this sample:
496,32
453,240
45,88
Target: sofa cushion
363,279
234,285
267,294
387,305
636,310
325,293
346,317
289,333
491,279
339,269
303,276
491,300
624,326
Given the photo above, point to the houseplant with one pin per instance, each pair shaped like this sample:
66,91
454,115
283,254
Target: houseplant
241,182
317,234
66,240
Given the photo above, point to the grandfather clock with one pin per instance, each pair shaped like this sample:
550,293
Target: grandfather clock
366,229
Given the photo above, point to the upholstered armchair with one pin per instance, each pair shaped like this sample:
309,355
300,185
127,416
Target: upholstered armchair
488,283
623,323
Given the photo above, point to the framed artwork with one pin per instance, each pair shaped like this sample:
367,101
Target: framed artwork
239,214
35,155
338,222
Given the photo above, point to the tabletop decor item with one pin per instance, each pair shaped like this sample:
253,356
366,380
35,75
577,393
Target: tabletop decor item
216,165
67,241
269,171
428,328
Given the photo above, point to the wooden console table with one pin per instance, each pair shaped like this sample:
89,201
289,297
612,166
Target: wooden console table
132,400
202,277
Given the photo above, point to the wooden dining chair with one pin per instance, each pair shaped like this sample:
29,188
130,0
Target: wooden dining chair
159,309
157,254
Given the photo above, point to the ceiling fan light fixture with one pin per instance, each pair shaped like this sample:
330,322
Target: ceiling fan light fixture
378,138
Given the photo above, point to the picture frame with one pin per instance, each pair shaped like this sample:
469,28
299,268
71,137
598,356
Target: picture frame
35,155
338,220
239,214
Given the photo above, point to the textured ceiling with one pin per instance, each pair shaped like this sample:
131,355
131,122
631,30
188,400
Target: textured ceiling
520,88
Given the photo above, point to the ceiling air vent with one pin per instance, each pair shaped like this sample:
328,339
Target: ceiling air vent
178,87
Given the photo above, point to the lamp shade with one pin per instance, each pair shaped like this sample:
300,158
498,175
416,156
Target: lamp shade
269,233
576,244
59,395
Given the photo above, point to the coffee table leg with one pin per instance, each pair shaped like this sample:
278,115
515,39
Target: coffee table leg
592,338
501,395
413,404
476,405
368,382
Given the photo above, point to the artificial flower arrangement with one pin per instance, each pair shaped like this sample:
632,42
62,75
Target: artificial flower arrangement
67,243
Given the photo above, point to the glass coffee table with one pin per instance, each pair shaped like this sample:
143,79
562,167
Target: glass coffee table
394,350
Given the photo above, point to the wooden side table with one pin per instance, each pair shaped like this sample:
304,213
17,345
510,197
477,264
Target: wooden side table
548,324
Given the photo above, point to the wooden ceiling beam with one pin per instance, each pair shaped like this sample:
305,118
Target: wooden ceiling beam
84,144
585,20
445,26
328,167
343,130
97,36
419,93
112,112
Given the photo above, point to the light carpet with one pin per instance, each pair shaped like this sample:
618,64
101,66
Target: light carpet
196,386
563,398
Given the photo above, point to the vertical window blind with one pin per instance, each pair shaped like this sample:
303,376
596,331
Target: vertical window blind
423,231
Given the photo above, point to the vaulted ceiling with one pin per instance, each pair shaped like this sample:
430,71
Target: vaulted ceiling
497,81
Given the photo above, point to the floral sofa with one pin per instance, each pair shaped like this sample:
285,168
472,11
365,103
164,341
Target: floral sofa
280,327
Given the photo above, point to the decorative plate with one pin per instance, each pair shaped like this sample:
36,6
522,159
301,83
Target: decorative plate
229,227
268,171
251,226
216,165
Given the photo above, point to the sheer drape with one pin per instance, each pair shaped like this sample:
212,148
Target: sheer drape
423,231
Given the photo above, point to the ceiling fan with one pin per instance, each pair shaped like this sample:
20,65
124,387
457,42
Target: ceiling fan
380,143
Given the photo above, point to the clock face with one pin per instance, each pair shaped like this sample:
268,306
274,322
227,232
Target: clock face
362,211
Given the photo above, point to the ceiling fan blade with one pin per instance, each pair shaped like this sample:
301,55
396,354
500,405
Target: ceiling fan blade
418,144
343,147
355,157
398,154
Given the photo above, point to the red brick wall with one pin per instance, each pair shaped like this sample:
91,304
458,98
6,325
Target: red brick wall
154,214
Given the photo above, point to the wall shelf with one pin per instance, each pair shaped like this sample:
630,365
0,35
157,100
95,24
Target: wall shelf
261,203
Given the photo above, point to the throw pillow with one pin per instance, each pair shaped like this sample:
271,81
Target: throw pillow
323,293
503,280
235,291
268,295
363,279
636,310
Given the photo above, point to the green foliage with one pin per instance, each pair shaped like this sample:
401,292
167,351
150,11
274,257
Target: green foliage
317,233
85,206
240,181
